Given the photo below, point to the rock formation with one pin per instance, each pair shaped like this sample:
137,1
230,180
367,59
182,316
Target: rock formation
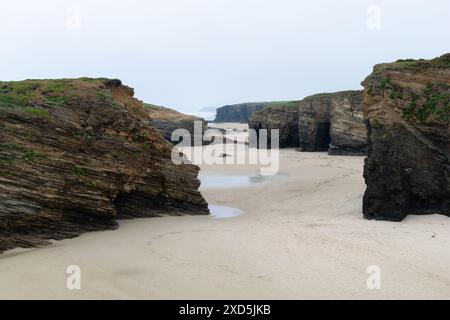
284,117
330,122
333,122
348,132
314,122
407,109
238,112
167,120
75,155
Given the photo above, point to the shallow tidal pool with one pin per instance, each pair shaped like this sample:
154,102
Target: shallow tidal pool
223,212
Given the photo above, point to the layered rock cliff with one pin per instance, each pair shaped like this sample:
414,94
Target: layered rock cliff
168,120
314,122
333,122
330,122
75,155
282,116
238,112
407,107
348,132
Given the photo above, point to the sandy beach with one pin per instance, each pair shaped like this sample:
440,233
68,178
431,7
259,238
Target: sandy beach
301,235
225,154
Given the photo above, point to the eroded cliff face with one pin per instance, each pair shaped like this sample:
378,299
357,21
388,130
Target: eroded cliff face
78,154
166,121
314,123
238,112
333,122
348,132
330,122
283,117
407,109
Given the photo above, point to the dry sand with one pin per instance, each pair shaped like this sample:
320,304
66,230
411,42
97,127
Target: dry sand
302,237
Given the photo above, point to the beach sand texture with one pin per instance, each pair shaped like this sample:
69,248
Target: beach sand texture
302,236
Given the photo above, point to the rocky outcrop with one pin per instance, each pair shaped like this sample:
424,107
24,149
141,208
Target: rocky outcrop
284,117
333,122
348,132
330,122
168,120
314,122
78,154
238,112
407,109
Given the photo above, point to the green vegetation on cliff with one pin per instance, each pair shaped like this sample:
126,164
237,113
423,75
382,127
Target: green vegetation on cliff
22,93
434,102
431,103
281,105
329,95
439,62
413,65
34,96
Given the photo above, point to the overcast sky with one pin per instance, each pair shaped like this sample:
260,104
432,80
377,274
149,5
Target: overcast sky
190,54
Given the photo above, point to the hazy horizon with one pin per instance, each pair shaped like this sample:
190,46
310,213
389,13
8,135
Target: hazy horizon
193,54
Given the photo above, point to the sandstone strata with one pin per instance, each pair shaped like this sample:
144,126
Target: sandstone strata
168,120
333,122
282,116
330,122
314,122
407,106
348,132
78,154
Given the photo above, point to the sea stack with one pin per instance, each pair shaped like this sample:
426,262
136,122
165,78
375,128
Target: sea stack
407,110
76,155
